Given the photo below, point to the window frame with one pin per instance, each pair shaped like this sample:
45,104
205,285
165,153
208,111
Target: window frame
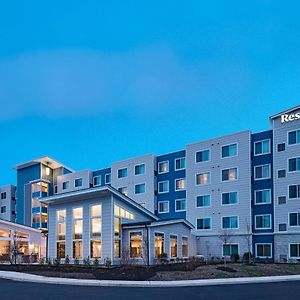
202,173
227,145
139,184
90,230
298,220
180,199
231,216
209,156
262,203
120,170
288,192
100,180
173,257
230,249
196,202
261,141
288,164
263,244
203,218
298,246
263,178
105,178
297,142
234,180
76,180
158,206
162,162
138,165
165,192
262,228
179,158
177,179
142,240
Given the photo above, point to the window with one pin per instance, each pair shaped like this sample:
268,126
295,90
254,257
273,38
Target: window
294,191
96,230
202,156
263,250
78,182
262,196
163,207
123,213
203,200
97,181
262,147
294,137
140,188
229,174
163,167
281,173
263,222
163,187
77,232
229,198
55,189
117,238
173,246
123,190
230,249
136,244
294,219
179,184
204,224
3,209
179,163
122,173
180,204
185,246
282,200
282,227
107,178
3,195
294,164
61,233
203,178
159,246
281,147
262,172
230,222
229,150
65,185
139,169
294,250
36,218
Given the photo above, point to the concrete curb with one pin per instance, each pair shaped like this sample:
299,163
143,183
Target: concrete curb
16,276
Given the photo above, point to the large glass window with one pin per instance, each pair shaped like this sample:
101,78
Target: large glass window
294,164
262,196
163,187
159,244
262,147
229,174
122,173
4,248
61,249
163,167
202,156
203,178
180,205
294,191
117,237
203,200
263,222
179,184
179,163
96,230
229,150
294,137
263,250
5,233
230,222
136,244
185,246
173,246
204,224
262,172
229,198
230,249
77,232
139,169
61,225
123,213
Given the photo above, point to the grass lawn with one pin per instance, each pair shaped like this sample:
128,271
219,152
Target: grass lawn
182,271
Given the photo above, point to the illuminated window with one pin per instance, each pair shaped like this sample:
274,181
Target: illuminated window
173,246
163,207
163,167
203,178
117,237
159,244
123,213
5,233
136,244
61,249
96,230
61,225
229,174
185,246
179,184
77,232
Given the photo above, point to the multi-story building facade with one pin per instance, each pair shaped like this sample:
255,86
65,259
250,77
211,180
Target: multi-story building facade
8,203
244,187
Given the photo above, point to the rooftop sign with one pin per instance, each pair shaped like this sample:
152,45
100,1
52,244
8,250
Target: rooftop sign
290,117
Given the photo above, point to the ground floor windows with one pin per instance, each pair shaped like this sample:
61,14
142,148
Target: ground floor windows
185,246
230,249
263,250
60,249
295,251
95,249
136,244
4,248
77,249
173,246
159,246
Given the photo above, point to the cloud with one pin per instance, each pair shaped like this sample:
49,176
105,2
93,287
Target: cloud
78,82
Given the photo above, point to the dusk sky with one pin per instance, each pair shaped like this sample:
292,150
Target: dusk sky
92,82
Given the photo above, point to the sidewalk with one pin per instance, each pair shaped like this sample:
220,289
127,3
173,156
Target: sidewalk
16,276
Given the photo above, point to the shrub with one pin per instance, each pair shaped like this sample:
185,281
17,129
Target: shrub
76,262
96,262
56,261
234,257
107,262
42,261
86,262
49,261
247,256
67,260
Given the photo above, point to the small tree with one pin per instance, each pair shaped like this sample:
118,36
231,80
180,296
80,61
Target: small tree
248,239
225,236
14,250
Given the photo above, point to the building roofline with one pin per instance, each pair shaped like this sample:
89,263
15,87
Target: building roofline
88,191
284,112
20,225
44,160
159,223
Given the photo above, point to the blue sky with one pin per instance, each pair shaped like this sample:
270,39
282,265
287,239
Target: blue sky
91,82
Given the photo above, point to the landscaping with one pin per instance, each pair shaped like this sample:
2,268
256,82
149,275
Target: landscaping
193,269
